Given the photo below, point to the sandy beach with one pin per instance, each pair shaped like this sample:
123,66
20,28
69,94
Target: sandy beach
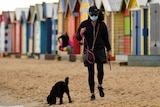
27,83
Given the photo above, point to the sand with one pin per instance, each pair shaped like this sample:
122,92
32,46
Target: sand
27,83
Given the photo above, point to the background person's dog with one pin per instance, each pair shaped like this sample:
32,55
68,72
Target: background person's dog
58,90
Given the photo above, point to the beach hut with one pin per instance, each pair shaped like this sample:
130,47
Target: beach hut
1,38
24,38
36,29
7,36
30,29
4,37
48,15
40,34
12,31
18,30
72,18
154,25
54,29
139,26
61,13
127,33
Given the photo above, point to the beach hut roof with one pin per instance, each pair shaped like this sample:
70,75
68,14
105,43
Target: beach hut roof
39,12
12,16
115,5
19,11
55,11
62,6
106,5
98,3
72,4
153,1
140,3
48,10
32,14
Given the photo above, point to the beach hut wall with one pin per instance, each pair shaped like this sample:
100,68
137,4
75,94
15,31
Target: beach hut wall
154,29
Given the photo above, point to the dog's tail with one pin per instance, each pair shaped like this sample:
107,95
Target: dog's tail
67,80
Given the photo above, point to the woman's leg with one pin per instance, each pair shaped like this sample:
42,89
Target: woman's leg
100,76
100,73
91,80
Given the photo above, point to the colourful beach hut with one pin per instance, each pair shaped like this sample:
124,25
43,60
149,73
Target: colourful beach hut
12,31
154,22
30,29
41,33
54,29
18,30
1,36
37,29
139,26
72,18
4,37
61,13
24,39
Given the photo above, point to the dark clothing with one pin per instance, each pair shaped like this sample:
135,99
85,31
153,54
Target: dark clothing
91,75
65,40
101,41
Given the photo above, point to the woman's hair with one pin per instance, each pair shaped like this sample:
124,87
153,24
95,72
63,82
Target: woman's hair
101,16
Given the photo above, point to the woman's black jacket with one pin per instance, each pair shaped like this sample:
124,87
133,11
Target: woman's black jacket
102,40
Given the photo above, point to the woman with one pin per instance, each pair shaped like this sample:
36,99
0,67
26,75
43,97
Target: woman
88,29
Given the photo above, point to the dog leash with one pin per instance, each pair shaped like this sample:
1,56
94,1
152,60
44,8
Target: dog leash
91,51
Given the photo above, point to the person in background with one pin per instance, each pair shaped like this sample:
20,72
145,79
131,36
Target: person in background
65,43
88,29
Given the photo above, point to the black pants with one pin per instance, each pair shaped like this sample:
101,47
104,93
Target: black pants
91,73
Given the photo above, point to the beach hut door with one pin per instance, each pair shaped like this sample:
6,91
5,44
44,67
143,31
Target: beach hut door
136,32
155,29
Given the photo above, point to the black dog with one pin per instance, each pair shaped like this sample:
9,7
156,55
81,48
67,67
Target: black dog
58,90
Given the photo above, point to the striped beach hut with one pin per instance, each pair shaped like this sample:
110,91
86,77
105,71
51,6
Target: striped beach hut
127,33
139,26
54,29
154,25
117,27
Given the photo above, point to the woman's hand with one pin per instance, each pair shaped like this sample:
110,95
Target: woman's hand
83,30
